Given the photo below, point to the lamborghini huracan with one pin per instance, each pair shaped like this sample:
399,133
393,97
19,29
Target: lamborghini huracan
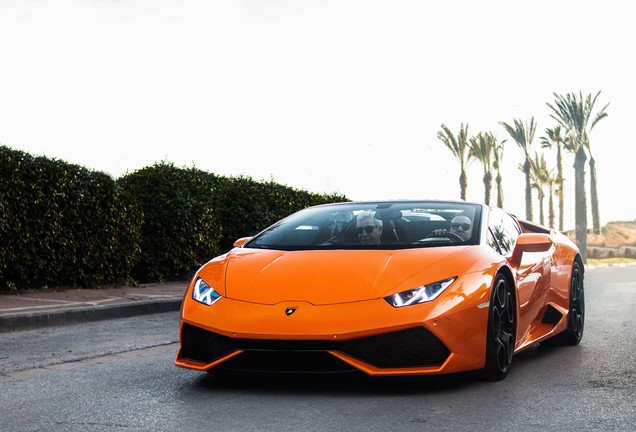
384,288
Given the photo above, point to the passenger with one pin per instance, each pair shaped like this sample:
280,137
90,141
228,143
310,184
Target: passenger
461,226
368,228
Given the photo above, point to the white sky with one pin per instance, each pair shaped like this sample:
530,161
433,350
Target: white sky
324,95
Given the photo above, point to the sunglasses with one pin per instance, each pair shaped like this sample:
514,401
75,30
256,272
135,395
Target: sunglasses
368,229
457,226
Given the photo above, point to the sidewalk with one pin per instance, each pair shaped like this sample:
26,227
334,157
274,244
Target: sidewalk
46,308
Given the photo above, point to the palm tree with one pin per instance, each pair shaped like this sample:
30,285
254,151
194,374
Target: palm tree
523,136
553,180
459,147
481,148
596,217
554,138
539,175
574,114
497,152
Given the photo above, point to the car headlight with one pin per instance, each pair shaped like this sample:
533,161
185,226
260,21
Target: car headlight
204,293
420,294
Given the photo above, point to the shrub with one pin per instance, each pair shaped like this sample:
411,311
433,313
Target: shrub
246,206
62,225
180,229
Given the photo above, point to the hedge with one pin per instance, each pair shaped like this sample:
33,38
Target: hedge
62,225
180,230
246,206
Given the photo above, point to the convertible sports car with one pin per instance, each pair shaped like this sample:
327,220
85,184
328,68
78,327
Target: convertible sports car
386,288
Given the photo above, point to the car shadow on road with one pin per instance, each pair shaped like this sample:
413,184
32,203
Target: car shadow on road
353,383
330,384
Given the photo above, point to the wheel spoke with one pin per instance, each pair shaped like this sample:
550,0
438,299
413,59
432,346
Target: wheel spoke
508,343
577,322
505,347
500,295
579,293
502,356
576,288
510,309
496,323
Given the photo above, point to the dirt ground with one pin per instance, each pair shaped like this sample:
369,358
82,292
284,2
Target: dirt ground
617,239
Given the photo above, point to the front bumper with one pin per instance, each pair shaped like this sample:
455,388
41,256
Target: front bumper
444,336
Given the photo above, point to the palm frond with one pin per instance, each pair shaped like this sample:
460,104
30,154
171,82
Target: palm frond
458,145
522,134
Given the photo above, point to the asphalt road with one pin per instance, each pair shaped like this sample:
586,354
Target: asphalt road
118,375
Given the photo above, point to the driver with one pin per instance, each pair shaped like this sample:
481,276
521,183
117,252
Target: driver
368,228
461,226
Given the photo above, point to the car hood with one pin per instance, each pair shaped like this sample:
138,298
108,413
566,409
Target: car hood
327,277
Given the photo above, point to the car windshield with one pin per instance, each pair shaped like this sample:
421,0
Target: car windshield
374,225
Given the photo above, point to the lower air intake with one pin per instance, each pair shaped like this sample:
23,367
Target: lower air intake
415,347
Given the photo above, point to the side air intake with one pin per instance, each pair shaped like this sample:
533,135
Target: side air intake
552,316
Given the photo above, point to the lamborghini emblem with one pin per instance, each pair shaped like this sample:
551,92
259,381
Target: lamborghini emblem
290,310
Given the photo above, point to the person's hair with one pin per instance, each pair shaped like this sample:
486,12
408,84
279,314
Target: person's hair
460,216
369,215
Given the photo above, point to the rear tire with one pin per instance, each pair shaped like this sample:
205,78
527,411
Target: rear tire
576,314
500,338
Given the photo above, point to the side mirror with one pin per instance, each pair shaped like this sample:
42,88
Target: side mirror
240,242
530,242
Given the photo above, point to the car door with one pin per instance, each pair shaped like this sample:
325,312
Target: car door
533,273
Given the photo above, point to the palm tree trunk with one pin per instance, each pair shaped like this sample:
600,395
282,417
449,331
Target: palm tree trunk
560,185
487,187
551,209
499,192
596,218
580,208
462,185
526,171
541,212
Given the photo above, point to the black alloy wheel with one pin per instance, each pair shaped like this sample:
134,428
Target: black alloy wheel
500,342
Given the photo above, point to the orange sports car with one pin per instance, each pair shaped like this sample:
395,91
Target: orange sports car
386,288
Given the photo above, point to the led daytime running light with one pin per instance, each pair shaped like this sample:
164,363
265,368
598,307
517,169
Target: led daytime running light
421,294
204,293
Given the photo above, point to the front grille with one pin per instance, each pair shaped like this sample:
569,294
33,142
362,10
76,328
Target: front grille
415,347
204,346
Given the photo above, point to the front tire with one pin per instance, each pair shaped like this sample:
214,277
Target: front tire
500,338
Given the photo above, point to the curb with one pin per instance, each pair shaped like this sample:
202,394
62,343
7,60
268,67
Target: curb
32,320
593,266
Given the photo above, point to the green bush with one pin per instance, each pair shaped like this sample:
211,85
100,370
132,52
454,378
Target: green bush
62,225
246,206
180,230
